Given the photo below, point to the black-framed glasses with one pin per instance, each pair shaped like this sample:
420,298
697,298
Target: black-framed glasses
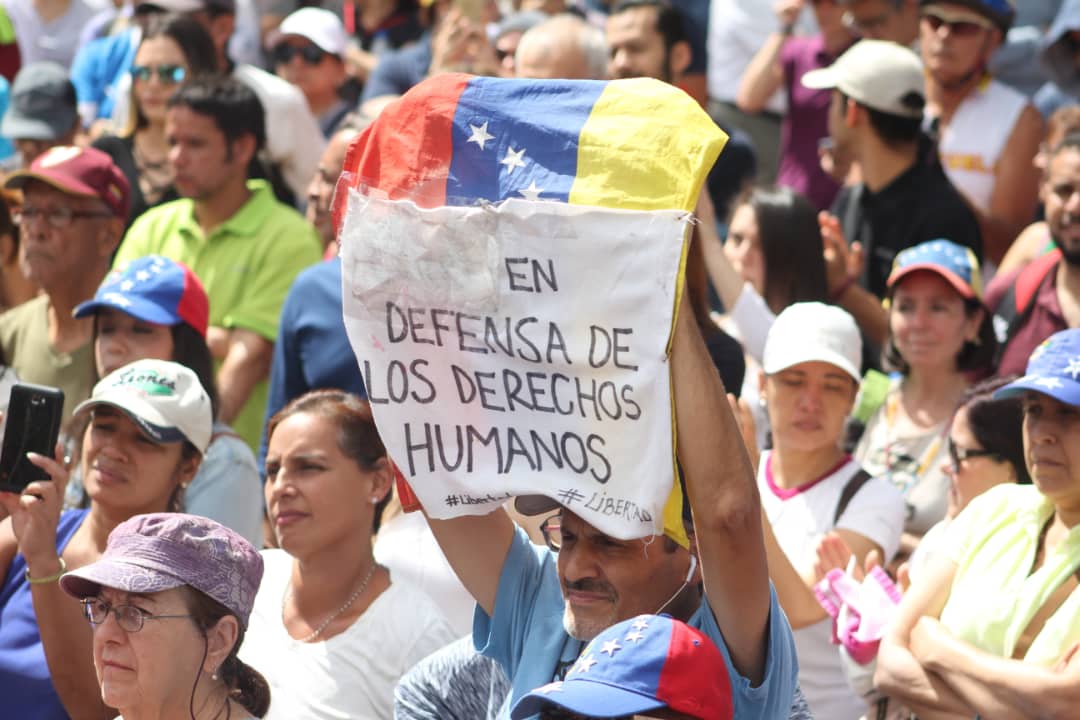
960,28
283,54
552,531
58,217
166,74
959,454
128,617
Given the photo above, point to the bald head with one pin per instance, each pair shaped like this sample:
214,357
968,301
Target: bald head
563,47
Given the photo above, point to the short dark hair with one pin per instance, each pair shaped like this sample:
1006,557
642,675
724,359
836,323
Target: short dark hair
998,425
357,437
977,356
1071,141
895,130
669,21
235,108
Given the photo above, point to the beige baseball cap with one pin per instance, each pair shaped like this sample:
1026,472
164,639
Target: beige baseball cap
879,74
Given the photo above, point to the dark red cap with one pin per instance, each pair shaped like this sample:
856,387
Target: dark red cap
86,172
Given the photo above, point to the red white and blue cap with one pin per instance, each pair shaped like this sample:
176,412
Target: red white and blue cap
1053,369
647,663
957,264
154,289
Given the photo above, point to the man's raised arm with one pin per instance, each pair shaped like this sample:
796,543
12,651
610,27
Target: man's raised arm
724,500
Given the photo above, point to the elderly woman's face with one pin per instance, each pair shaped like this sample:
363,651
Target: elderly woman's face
127,471
155,667
1052,448
315,495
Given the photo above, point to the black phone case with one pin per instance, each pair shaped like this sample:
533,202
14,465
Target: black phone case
33,425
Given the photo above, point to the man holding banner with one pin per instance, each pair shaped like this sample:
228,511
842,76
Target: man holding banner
511,260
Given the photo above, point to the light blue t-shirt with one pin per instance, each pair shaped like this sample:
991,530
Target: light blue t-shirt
527,638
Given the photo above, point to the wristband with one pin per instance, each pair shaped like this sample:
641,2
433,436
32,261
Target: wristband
842,288
48,579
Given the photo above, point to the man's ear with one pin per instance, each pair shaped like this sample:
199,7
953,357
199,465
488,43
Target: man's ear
243,148
852,113
679,58
112,234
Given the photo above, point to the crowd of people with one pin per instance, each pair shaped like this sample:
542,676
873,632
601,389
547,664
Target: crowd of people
875,373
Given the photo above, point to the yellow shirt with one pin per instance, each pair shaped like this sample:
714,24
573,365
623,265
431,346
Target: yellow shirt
993,598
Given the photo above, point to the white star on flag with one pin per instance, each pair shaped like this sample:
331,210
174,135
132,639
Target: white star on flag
1073,368
127,285
142,276
611,647
1050,383
640,625
584,663
480,134
117,299
513,160
635,636
532,192
156,268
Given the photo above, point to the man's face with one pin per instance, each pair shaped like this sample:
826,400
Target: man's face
636,46
605,581
202,160
1061,197
956,43
877,20
320,191
839,132
55,256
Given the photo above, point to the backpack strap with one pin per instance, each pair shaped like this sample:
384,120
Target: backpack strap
853,486
1016,304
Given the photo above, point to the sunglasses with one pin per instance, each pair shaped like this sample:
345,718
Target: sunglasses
284,53
967,27
166,74
959,454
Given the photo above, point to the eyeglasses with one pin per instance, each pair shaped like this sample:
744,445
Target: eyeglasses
59,217
284,53
552,531
959,454
166,74
128,617
961,28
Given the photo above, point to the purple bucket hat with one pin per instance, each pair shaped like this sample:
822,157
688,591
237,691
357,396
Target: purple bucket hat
161,551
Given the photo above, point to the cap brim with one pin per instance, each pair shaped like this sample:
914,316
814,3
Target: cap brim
530,505
17,180
1055,386
958,283
143,414
24,128
586,697
114,573
146,311
814,355
820,79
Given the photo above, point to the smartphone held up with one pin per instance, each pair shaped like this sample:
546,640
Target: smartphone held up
33,425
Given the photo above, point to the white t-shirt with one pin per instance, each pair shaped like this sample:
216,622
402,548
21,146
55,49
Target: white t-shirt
407,547
799,518
351,675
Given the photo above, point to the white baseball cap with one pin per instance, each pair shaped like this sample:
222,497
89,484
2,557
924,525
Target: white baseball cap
879,74
813,332
164,399
320,26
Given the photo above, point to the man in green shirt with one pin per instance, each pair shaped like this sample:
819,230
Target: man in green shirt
244,245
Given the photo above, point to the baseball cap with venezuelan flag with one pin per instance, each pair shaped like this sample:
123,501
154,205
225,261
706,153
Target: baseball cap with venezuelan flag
955,263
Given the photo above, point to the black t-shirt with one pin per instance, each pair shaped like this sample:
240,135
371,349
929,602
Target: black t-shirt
919,205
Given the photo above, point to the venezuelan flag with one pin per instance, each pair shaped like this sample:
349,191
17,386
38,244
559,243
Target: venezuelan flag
457,139
460,140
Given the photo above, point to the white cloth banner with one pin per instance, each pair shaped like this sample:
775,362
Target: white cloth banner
519,349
